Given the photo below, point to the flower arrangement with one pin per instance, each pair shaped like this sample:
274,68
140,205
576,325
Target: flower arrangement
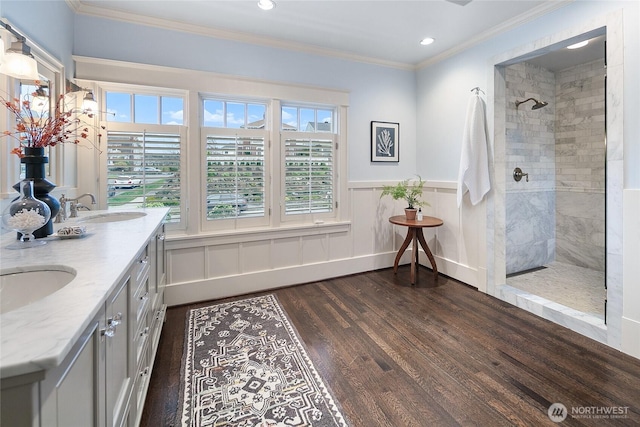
36,128
404,190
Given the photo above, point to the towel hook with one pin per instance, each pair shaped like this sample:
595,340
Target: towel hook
477,89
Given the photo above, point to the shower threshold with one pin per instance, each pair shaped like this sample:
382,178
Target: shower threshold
581,289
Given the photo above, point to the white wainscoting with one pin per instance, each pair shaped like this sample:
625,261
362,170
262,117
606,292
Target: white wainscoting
631,271
211,266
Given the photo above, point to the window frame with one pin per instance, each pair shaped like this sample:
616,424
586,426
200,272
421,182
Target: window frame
182,130
312,217
338,115
236,222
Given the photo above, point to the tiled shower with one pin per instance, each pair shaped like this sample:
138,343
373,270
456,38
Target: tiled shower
556,218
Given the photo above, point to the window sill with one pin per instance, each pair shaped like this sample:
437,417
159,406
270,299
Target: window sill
207,238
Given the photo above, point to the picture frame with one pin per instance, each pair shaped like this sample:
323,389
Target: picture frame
385,142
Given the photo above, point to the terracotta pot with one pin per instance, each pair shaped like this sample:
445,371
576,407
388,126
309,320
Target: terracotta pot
410,213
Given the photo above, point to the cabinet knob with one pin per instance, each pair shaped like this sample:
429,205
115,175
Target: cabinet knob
161,237
108,332
115,320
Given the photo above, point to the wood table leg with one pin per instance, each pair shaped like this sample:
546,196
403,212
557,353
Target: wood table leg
426,250
414,259
403,248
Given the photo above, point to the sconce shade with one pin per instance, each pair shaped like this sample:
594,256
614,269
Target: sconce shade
89,103
40,101
19,63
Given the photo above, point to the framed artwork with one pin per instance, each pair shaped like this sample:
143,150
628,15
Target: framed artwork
385,138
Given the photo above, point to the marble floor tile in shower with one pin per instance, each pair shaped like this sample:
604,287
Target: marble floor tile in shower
576,287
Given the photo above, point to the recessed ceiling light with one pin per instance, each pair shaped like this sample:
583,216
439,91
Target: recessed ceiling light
578,45
427,41
266,4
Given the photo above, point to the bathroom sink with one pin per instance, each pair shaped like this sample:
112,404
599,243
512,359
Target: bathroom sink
112,217
20,288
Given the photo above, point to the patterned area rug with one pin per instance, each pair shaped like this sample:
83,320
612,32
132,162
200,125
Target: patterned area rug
244,366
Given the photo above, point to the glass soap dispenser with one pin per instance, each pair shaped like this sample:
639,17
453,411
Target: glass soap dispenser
25,215
420,214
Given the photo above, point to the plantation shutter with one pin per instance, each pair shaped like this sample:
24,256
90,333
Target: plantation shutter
235,176
152,159
309,174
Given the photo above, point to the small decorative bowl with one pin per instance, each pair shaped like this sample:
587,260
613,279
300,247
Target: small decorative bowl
72,232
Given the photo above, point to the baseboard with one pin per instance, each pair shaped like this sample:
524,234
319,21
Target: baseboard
223,287
630,337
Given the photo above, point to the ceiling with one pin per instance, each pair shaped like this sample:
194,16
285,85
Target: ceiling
561,59
384,32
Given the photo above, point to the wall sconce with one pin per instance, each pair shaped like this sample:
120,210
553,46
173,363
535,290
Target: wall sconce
89,104
41,99
18,61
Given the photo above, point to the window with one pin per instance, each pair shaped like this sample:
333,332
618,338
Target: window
144,146
306,119
234,139
233,115
235,176
309,172
243,182
139,108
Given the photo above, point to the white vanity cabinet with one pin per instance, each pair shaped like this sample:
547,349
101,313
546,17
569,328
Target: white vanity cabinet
102,381
150,314
71,393
91,387
117,345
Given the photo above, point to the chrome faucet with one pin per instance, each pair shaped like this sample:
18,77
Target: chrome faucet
61,216
74,205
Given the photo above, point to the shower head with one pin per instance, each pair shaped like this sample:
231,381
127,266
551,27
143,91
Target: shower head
536,106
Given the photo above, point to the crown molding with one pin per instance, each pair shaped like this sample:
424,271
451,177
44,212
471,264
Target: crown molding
86,9
530,15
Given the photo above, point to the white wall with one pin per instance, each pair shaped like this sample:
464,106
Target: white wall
443,92
444,87
49,24
207,267
375,92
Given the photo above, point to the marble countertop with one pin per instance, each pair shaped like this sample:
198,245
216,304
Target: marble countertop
38,336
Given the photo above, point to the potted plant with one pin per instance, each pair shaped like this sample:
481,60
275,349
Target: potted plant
411,192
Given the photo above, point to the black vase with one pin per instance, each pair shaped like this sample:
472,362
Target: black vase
34,161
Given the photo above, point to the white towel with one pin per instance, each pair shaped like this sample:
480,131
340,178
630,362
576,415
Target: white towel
473,175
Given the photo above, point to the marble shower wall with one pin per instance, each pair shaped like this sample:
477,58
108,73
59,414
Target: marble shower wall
530,145
559,214
580,160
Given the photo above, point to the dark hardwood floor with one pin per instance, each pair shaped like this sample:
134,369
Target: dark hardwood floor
436,354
